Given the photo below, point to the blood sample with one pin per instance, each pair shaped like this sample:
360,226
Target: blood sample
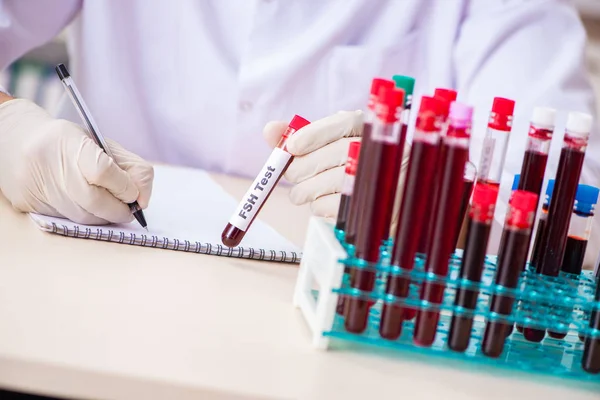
495,141
348,185
479,223
536,153
590,360
356,202
417,189
580,228
450,188
579,234
541,228
469,178
446,97
511,262
261,188
385,142
554,240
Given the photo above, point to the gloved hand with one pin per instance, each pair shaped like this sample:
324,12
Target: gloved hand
320,151
52,167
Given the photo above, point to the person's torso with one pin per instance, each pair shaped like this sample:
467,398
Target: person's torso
193,82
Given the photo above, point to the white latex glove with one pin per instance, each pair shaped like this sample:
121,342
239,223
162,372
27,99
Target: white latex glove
52,167
320,150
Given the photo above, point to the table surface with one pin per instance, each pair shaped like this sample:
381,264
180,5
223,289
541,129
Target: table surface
89,319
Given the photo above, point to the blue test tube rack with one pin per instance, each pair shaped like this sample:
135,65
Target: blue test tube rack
559,304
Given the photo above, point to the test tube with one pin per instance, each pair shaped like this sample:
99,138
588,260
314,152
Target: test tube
445,97
579,233
385,142
541,227
590,360
469,178
455,150
261,188
348,184
537,149
580,228
495,142
417,189
479,224
570,163
356,202
511,262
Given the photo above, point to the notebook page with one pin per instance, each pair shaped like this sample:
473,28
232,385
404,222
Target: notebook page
187,204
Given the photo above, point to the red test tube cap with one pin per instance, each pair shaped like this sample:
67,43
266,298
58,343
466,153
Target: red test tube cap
354,150
389,101
298,122
447,94
524,201
430,105
485,195
378,83
503,106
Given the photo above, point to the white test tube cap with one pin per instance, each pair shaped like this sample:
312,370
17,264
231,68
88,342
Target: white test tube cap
544,116
579,124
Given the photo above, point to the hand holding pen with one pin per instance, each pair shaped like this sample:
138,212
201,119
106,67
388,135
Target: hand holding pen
93,130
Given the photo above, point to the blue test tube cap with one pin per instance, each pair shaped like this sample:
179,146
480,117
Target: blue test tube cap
586,198
515,185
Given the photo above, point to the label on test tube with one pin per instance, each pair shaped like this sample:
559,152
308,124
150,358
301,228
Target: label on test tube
487,155
260,189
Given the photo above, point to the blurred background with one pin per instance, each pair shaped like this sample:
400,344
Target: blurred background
33,76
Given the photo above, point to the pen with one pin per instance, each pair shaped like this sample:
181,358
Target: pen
92,128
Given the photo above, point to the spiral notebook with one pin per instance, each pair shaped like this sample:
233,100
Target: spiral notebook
188,212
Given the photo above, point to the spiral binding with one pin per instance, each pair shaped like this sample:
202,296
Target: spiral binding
110,235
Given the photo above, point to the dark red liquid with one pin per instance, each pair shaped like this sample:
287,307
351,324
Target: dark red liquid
428,220
591,352
552,249
396,175
380,189
471,268
464,205
342,216
232,235
539,238
574,255
532,172
417,191
442,243
511,262
356,201
559,214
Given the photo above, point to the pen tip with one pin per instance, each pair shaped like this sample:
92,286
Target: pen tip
146,228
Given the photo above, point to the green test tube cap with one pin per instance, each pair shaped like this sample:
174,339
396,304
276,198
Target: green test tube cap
407,84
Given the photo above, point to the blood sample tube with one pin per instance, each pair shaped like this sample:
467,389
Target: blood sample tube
261,188
590,360
570,163
541,227
469,178
356,202
446,97
578,236
348,184
479,223
417,189
580,228
511,262
450,188
385,142
495,142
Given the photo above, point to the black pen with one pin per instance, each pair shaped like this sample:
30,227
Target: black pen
92,128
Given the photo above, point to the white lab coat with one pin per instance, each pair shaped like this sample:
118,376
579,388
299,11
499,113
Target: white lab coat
194,81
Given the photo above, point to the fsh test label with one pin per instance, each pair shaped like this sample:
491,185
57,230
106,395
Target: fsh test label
260,189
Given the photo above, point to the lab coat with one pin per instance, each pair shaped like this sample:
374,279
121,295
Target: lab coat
193,82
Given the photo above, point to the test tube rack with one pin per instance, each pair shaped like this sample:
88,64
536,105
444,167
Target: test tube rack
559,304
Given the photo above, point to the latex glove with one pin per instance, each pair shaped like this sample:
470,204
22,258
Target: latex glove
52,167
320,150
